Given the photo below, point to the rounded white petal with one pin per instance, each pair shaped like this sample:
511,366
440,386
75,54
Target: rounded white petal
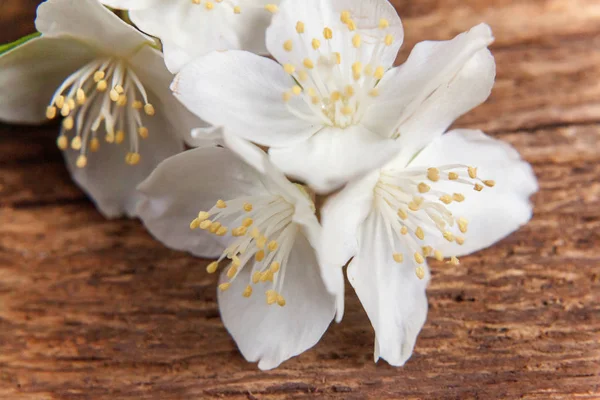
89,21
271,334
496,211
110,181
438,82
391,293
334,156
131,4
242,92
31,72
187,183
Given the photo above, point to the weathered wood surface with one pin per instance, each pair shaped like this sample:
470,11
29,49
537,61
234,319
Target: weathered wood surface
96,309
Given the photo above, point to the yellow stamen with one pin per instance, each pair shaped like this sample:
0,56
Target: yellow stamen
419,258
248,291
224,286
81,161
420,271
398,257
221,204
300,27
288,45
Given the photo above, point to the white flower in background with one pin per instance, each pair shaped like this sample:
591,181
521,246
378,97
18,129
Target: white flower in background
461,193
262,228
189,28
112,89
331,107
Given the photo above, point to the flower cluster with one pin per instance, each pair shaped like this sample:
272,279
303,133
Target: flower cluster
322,156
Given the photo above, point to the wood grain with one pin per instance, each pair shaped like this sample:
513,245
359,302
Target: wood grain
96,309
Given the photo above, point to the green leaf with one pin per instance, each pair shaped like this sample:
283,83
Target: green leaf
9,46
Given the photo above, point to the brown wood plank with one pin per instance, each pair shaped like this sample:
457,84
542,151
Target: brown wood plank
96,309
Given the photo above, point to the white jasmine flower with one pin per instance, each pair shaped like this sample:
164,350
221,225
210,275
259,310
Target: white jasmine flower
262,228
112,90
189,28
463,192
331,108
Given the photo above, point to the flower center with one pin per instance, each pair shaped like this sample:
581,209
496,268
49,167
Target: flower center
262,240
416,212
336,79
105,92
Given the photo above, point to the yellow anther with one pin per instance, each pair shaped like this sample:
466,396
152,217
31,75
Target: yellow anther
60,101
446,199
209,6
327,33
221,204
204,225
81,161
271,297
65,110
419,233
389,40
255,233
289,68
379,72
460,240
132,158
224,286
402,214
260,255
300,27
287,96
101,86
433,174
311,91
452,176
351,25
98,76
454,260
122,101
338,58
119,137
143,132
419,258
62,142
275,266
76,143
137,105
114,95
94,144
203,216
272,8
232,271
308,63
248,291
68,123
316,43
463,224
489,183
356,40
438,255
237,10
315,100
449,236
261,242
110,137
71,103
472,172
51,112
302,76
398,257
420,272
427,250
273,245
349,91
458,197
80,95
297,90
288,45
335,96
256,277
414,206
222,231
357,68
383,23
374,93
212,267
347,110
149,109
478,187
195,224
247,222
423,187
214,227
404,230
280,300
345,17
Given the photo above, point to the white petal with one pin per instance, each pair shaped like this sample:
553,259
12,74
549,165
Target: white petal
243,93
130,4
187,183
434,72
31,72
392,295
334,156
271,334
495,212
89,21
110,181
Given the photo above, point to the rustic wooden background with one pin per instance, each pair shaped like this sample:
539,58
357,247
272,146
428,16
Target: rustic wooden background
96,309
